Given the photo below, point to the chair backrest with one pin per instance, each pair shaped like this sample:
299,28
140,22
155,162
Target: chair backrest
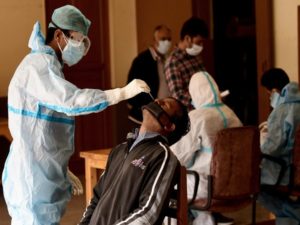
178,207
235,163
296,161
235,175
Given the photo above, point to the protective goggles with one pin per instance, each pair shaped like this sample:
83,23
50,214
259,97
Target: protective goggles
77,39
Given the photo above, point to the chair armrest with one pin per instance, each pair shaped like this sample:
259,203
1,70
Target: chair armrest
209,193
208,199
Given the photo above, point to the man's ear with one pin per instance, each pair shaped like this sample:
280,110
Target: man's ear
170,127
57,34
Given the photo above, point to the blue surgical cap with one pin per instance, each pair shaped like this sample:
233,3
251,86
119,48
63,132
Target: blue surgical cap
69,17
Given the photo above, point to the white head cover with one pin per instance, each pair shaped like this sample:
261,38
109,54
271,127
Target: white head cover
208,93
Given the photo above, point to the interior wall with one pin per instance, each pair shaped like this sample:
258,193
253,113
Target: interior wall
123,39
149,14
16,20
286,36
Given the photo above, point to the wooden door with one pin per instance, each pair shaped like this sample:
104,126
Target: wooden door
264,48
92,131
230,52
203,10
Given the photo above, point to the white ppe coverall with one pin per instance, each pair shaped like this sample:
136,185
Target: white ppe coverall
41,106
194,150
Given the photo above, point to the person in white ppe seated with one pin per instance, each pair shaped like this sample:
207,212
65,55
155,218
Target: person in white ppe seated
41,106
195,149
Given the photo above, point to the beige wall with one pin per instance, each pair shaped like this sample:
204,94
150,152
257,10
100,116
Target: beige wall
172,13
16,21
123,39
286,36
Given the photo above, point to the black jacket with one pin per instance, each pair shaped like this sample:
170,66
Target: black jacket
143,67
135,185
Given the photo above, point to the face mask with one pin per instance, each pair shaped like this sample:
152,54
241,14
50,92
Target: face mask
274,99
73,52
163,47
194,50
157,111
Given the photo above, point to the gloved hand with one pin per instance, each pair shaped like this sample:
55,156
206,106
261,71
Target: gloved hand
77,188
132,89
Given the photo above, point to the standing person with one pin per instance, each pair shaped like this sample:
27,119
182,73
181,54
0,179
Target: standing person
149,66
41,106
279,142
185,59
195,149
135,186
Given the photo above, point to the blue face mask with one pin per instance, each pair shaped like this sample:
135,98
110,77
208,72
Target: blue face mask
73,52
274,99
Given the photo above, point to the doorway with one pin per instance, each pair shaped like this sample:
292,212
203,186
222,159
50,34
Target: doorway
233,56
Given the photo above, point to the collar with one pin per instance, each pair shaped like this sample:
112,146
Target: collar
154,54
143,136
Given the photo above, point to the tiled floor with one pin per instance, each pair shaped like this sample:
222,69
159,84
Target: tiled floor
76,208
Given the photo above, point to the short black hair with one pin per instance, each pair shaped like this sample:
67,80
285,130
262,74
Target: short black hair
194,27
274,78
182,124
50,34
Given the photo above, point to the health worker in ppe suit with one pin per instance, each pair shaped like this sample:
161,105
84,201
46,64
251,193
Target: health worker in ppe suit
195,149
41,106
278,143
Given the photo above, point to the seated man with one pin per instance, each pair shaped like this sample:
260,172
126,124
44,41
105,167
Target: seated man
195,149
139,173
279,142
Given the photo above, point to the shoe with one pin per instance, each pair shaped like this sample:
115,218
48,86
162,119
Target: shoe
222,220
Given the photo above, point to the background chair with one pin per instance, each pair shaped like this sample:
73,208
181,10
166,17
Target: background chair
235,175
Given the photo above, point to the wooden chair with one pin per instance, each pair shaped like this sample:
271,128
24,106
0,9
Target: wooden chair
235,175
178,207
